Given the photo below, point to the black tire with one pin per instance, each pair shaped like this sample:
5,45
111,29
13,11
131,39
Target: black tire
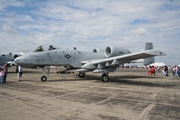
105,78
81,74
43,78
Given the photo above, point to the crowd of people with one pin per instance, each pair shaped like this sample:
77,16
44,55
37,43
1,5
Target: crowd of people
4,71
176,71
165,70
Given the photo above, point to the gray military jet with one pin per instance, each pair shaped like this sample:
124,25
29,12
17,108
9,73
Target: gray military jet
8,59
4,58
83,61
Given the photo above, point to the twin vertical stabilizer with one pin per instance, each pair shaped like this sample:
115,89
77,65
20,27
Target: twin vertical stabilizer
150,60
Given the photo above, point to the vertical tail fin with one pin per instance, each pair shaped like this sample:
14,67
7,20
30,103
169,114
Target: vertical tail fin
150,60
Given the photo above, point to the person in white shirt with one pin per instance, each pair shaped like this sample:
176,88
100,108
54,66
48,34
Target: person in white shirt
19,73
5,72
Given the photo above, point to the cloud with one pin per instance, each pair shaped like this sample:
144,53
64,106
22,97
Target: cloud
9,30
6,3
90,24
140,31
61,34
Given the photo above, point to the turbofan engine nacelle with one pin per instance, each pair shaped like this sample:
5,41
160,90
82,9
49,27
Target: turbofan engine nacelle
115,51
15,56
96,50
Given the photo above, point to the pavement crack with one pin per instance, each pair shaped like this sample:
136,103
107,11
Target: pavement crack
148,108
103,101
146,111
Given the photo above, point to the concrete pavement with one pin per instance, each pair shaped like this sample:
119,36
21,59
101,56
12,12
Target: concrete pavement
130,95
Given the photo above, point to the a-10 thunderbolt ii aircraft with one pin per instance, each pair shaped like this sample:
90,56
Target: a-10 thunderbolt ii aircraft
7,58
83,61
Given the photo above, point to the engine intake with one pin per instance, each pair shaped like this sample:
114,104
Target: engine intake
15,56
115,51
96,50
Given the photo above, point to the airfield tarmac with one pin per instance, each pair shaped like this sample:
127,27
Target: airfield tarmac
129,95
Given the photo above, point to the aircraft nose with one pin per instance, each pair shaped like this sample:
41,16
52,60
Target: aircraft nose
19,60
16,61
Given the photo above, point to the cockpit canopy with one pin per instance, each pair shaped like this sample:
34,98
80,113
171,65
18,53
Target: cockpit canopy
45,48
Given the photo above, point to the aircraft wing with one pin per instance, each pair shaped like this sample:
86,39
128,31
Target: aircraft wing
127,58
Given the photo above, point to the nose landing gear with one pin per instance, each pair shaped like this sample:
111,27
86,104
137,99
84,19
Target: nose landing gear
45,71
43,78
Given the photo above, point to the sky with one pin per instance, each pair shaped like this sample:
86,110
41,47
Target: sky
89,24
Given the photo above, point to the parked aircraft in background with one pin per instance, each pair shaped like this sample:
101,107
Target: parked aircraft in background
82,61
7,58
4,58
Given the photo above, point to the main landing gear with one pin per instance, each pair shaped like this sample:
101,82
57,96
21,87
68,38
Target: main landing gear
45,71
104,77
81,74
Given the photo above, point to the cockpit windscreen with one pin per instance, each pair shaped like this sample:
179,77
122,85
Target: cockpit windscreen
45,48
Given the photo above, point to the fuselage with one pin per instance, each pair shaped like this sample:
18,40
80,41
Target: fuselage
56,57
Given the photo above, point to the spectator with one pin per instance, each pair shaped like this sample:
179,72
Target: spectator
175,71
159,68
165,71
151,71
1,75
5,72
178,71
19,73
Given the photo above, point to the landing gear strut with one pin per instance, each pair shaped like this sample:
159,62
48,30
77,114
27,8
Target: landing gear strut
45,71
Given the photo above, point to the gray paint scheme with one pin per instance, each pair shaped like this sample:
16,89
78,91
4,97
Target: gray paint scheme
6,58
150,60
85,61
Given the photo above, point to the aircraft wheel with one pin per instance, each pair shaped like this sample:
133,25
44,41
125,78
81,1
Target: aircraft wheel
81,74
105,78
43,78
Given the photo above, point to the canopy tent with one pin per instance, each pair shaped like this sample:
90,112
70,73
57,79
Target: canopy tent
161,64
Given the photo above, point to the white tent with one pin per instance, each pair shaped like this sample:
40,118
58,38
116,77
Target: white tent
161,64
